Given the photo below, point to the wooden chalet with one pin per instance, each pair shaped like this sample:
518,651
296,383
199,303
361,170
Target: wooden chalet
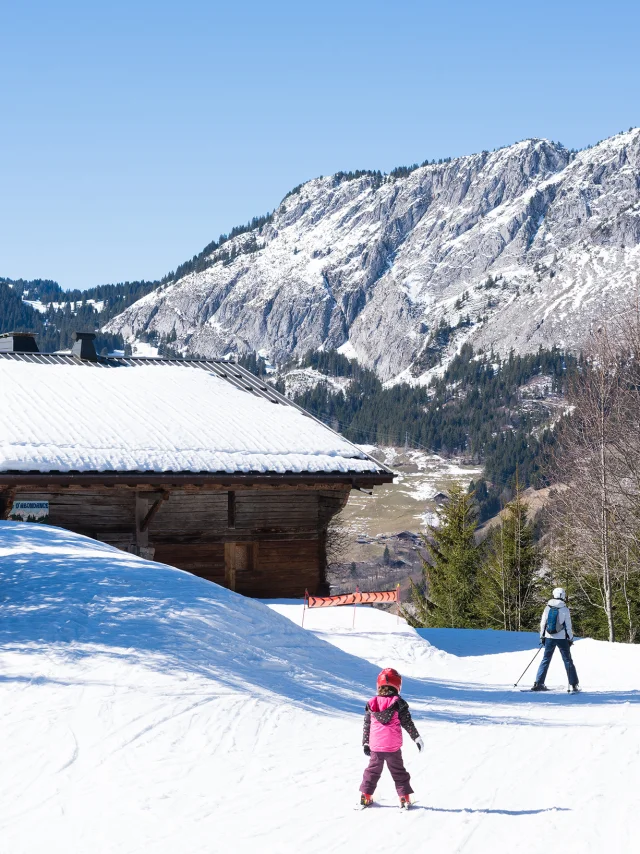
196,463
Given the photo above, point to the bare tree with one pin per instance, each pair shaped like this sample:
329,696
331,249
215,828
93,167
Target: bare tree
585,463
625,443
598,461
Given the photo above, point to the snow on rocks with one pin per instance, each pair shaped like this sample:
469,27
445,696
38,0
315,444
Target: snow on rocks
300,380
144,709
373,265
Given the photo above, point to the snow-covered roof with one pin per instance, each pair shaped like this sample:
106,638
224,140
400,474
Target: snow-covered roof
123,415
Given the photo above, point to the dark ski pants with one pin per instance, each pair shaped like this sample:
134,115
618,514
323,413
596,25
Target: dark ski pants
550,645
372,772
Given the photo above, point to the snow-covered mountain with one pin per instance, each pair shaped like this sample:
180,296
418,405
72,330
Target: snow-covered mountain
521,247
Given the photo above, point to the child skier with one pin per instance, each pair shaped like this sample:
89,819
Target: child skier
384,717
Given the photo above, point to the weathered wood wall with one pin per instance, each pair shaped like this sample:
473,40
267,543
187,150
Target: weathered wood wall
266,542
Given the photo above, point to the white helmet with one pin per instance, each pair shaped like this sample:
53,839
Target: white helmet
559,593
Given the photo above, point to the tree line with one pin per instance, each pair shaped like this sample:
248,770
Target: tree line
65,312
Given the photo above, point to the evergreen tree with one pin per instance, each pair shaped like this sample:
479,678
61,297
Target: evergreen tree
510,575
451,573
581,587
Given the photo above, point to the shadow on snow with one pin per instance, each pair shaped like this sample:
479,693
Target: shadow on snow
73,597
76,598
478,642
471,811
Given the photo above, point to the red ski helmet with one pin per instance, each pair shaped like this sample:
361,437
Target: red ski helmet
389,676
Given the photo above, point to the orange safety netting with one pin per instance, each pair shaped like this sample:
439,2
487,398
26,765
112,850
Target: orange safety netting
356,598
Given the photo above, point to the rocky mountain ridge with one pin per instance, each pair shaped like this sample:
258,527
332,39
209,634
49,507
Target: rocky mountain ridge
521,247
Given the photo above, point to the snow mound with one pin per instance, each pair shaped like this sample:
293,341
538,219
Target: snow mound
80,599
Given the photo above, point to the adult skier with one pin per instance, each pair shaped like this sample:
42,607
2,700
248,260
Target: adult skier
556,631
384,718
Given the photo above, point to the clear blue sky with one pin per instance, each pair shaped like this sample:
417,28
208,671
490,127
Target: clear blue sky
132,133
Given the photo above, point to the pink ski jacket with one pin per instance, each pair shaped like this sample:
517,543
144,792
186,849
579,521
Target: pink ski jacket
384,719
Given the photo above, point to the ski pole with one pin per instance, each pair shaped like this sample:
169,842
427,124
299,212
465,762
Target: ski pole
515,684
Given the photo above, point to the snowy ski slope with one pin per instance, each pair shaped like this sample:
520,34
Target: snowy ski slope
146,710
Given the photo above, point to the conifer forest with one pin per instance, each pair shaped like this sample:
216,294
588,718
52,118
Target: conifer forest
587,538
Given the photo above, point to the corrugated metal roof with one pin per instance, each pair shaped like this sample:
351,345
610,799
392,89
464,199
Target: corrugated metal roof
230,372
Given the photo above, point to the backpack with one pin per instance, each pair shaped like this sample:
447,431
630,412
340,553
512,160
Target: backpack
553,625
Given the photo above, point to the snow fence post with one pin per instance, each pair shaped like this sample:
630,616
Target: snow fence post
304,606
355,599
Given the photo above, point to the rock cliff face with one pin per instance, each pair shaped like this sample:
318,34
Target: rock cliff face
522,247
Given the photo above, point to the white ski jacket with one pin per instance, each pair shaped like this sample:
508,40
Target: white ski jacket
564,621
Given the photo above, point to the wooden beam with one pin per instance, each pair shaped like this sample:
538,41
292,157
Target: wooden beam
140,512
148,519
237,536
153,490
222,481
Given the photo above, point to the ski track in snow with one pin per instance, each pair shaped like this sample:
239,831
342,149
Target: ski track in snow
148,710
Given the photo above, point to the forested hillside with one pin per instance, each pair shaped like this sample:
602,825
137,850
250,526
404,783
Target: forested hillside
43,307
481,408
586,539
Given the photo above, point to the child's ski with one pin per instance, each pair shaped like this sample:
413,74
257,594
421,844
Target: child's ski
403,807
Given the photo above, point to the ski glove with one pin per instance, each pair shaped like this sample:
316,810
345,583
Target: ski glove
419,744
367,749
542,640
